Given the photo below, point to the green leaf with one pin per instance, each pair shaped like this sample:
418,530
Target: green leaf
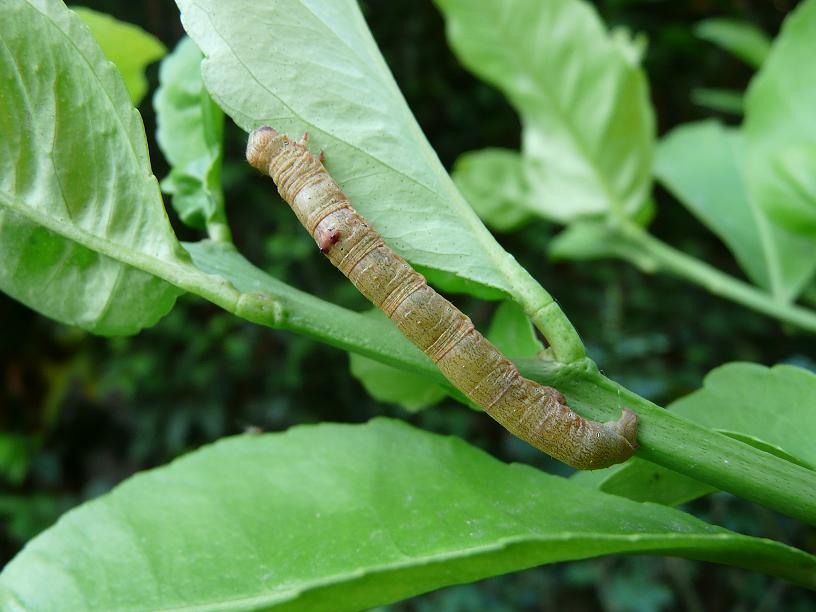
190,133
721,100
453,283
700,163
780,125
583,100
768,408
395,386
510,330
129,47
589,240
362,515
385,383
644,481
775,405
315,66
740,38
78,202
493,182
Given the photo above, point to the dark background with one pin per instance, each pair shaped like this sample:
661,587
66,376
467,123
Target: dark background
86,412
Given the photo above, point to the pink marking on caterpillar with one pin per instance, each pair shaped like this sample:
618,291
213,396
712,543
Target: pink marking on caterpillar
326,237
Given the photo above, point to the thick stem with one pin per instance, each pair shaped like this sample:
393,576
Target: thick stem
674,261
551,321
686,447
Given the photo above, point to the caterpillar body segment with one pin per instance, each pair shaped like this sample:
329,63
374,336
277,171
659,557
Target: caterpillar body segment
535,413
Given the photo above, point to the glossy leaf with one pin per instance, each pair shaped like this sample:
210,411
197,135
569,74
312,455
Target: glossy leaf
314,66
190,133
126,45
588,124
78,203
769,408
493,183
700,163
780,125
362,515
740,38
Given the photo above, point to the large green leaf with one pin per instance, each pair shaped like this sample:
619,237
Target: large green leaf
126,45
769,408
700,163
314,66
78,202
343,517
742,39
190,132
493,182
583,100
780,125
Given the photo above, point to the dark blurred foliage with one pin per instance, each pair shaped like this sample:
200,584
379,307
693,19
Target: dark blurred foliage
79,413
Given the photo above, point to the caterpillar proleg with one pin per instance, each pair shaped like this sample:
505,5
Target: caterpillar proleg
535,413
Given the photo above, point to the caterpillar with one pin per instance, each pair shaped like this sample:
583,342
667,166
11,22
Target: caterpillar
533,412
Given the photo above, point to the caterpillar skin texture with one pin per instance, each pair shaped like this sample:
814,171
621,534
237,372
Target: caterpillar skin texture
533,412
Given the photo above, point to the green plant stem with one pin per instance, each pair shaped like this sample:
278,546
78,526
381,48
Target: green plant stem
538,304
664,438
219,231
684,446
674,261
548,317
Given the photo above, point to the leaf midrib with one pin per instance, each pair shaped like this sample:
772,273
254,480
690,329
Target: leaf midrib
176,272
650,542
523,60
463,210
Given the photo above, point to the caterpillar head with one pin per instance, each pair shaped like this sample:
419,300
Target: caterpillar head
263,144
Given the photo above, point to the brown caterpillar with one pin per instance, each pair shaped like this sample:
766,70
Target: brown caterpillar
533,412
